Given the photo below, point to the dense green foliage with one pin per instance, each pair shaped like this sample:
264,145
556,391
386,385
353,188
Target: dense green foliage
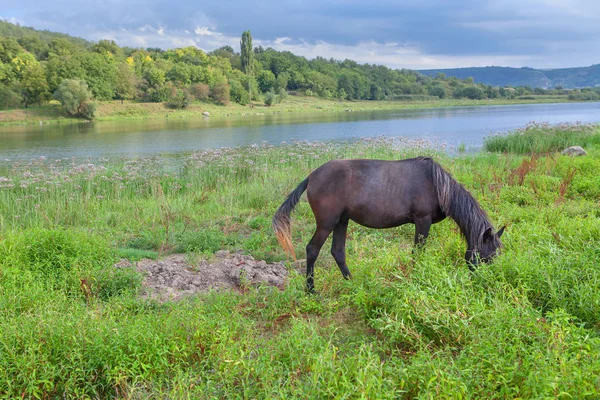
570,78
543,138
75,97
406,326
34,63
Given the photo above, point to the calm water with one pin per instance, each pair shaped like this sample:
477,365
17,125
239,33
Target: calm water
468,125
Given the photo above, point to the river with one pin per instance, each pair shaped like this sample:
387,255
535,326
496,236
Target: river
454,126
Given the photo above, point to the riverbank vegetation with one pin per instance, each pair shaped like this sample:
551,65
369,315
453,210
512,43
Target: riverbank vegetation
117,110
544,138
34,64
407,325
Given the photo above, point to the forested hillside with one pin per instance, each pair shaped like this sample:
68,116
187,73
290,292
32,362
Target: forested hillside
568,78
34,64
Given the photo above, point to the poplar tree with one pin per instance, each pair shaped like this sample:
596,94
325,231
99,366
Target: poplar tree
247,55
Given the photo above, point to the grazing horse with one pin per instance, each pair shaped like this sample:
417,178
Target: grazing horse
384,194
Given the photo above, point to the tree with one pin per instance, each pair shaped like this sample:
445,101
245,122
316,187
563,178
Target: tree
238,93
154,76
100,71
266,80
9,48
107,47
247,56
282,81
75,97
35,45
124,83
10,97
61,67
180,73
34,87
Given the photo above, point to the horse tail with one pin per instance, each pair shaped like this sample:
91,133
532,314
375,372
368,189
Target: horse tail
281,219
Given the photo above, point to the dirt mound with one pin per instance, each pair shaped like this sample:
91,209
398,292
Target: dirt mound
172,277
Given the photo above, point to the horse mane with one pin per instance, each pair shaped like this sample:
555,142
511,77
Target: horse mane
460,205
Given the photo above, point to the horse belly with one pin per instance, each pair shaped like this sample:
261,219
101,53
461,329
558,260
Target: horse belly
375,217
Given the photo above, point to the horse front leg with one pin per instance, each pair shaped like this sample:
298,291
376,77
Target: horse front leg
338,247
422,226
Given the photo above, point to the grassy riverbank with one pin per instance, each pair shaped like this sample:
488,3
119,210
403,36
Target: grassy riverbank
115,111
526,326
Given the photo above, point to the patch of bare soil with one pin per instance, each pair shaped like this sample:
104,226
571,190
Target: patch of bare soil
173,278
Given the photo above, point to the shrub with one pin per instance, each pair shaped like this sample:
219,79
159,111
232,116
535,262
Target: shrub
270,98
200,91
412,97
158,95
541,138
470,92
438,91
238,93
9,98
220,93
584,96
75,97
283,94
177,98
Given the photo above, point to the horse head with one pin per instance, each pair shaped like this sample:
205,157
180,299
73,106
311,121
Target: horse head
487,248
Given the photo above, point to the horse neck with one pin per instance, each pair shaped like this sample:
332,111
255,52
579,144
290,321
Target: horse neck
468,215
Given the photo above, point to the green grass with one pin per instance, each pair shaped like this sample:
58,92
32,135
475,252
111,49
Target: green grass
129,110
526,326
544,138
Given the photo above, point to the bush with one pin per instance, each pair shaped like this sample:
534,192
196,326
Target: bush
200,91
584,96
9,98
283,94
412,97
470,92
158,95
238,93
75,97
220,93
541,138
438,91
270,98
177,98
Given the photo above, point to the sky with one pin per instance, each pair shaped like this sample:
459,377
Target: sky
414,34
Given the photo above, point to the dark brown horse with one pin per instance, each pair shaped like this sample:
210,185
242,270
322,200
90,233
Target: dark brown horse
384,194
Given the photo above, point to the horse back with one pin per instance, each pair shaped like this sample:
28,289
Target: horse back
375,193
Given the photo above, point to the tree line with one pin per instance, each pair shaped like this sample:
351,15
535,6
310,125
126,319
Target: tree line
36,66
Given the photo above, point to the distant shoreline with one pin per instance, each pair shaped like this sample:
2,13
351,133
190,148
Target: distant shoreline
52,113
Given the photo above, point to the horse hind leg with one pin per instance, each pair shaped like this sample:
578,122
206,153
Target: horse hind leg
338,247
312,252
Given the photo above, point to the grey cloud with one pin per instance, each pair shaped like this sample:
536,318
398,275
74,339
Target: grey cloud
537,30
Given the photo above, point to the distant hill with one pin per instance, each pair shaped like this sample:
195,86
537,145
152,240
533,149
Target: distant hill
568,78
17,32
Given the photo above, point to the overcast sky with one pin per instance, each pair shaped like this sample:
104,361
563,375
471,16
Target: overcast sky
422,34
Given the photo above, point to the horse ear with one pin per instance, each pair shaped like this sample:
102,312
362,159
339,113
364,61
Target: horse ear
501,231
487,234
